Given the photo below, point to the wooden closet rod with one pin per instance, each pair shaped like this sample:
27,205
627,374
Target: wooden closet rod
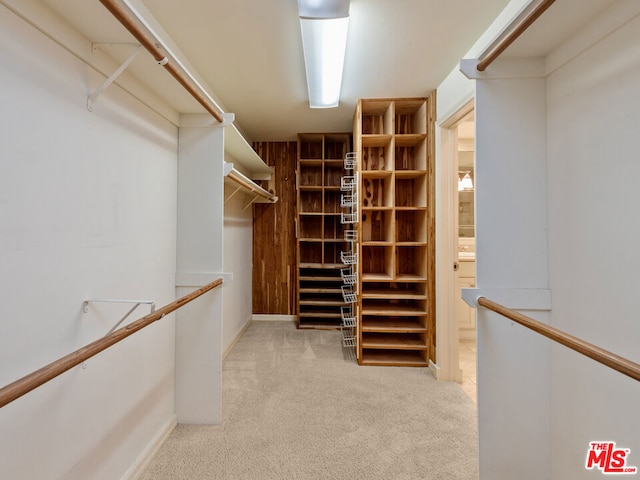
24,385
131,23
516,29
253,187
611,360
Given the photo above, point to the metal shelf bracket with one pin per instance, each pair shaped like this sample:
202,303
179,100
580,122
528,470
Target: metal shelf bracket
92,98
85,308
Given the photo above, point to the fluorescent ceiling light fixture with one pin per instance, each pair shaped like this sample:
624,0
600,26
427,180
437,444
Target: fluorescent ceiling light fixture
324,25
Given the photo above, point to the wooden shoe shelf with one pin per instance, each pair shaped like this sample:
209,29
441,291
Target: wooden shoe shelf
393,140
319,229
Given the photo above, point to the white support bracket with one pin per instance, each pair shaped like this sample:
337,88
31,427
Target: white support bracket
257,193
228,197
253,200
112,78
514,298
152,304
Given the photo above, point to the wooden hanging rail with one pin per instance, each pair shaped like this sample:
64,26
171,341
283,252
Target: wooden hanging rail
30,382
132,24
247,184
517,28
611,360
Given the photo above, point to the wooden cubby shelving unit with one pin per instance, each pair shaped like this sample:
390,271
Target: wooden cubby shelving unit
396,306
319,232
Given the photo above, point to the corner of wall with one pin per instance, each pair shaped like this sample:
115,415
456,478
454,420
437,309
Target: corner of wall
143,460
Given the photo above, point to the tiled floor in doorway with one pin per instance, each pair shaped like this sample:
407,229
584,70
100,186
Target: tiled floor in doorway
467,352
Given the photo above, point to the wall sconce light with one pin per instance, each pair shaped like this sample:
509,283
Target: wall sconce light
324,25
466,183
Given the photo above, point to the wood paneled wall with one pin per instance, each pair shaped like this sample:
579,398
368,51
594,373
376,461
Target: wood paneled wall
274,238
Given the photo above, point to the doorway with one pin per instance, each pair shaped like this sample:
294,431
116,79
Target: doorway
466,252
456,248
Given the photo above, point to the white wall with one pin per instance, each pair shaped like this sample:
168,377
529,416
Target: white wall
593,109
511,246
569,136
238,259
87,210
199,262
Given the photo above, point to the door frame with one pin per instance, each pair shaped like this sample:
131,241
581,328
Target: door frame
447,331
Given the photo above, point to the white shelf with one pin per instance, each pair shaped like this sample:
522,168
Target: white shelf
242,183
238,151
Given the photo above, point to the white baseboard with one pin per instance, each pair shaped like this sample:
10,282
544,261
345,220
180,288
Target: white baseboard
235,340
135,471
455,374
259,317
434,369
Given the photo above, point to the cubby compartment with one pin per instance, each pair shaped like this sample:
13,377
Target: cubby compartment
332,252
333,229
392,323
310,174
376,225
310,201
386,290
410,153
398,358
333,173
309,227
332,201
324,277
318,315
376,190
399,341
376,262
317,297
411,263
310,147
376,153
310,253
410,191
411,226
410,116
336,146
393,307
314,285
377,117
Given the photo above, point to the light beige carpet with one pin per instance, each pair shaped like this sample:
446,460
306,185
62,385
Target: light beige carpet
296,407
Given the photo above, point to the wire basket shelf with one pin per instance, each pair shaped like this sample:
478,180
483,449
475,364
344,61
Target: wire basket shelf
349,257
349,319
348,218
348,183
349,277
351,236
349,294
348,200
349,340
350,160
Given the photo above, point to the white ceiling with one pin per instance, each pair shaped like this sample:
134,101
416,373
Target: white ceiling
561,20
249,53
